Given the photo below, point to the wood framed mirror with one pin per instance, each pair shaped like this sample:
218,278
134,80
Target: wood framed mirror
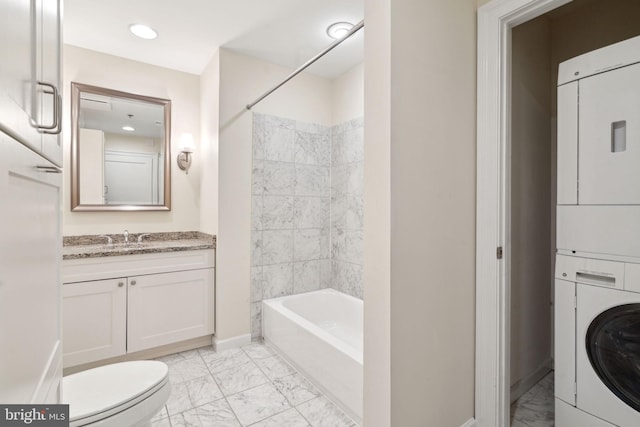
120,150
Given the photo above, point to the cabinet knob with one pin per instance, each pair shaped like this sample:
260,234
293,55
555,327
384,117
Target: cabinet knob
133,282
120,284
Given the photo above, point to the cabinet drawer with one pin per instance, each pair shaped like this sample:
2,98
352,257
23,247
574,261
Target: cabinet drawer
80,270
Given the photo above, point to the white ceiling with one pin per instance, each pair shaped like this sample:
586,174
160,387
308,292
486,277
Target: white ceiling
285,32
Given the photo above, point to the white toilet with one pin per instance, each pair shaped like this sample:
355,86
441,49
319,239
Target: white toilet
125,394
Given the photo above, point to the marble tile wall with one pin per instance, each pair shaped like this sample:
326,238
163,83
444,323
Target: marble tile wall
347,207
290,210
307,209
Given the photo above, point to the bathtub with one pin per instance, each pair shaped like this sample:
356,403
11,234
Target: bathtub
321,334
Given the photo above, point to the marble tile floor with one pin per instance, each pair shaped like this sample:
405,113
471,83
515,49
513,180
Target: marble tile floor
535,407
248,386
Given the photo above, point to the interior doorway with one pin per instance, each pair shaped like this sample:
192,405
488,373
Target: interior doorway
520,44
130,178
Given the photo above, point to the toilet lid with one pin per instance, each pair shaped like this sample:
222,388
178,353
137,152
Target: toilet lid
101,389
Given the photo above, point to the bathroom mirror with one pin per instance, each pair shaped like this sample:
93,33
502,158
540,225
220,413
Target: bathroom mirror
120,151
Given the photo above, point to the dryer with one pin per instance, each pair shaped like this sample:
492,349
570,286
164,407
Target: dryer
598,184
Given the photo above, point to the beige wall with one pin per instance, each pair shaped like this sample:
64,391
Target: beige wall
531,206
347,95
420,173
377,221
242,79
208,155
89,67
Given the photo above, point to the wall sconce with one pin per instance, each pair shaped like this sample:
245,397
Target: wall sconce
184,157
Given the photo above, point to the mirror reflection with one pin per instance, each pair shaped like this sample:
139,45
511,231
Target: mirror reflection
120,150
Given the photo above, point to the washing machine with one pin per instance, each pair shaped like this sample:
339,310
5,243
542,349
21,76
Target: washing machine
597,287
597,342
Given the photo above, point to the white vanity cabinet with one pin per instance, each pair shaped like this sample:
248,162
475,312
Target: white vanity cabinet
94,320
136,302
169,307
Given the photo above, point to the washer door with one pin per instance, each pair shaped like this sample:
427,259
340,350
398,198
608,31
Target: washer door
613,348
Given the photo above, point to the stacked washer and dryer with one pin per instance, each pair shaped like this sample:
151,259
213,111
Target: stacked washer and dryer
597,286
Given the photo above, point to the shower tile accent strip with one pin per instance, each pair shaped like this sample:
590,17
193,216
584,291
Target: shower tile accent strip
307,210
93,246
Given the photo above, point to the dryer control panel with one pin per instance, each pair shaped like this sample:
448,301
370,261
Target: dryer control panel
598,272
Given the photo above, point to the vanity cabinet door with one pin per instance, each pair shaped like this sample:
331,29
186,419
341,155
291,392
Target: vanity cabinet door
94,320
169,307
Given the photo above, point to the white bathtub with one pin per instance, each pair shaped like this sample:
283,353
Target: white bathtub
321,333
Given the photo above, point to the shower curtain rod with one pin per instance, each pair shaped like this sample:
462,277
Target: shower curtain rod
351,32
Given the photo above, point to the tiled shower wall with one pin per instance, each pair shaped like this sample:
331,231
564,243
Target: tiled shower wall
347,207
300,177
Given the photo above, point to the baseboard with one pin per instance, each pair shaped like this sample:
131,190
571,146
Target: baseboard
233,342
470,423
152,353
522,386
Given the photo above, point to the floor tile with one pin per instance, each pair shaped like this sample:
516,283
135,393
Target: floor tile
290,418
204,351
240,378
178,357
296,388
192,393
257,404
179,399
261,389
217,414
188,369
162,422
225,359
258,350
203,390
275,367
321,412
535,408
161,414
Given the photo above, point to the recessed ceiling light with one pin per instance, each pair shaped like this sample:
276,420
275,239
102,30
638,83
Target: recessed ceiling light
143,31
339,30
128,128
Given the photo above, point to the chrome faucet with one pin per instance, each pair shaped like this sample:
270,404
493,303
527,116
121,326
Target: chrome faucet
126,237
140,236
109,239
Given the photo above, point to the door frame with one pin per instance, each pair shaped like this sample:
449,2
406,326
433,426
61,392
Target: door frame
495,21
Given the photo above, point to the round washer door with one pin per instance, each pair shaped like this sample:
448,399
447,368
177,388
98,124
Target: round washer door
613,348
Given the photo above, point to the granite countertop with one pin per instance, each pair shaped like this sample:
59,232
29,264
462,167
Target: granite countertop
94,246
